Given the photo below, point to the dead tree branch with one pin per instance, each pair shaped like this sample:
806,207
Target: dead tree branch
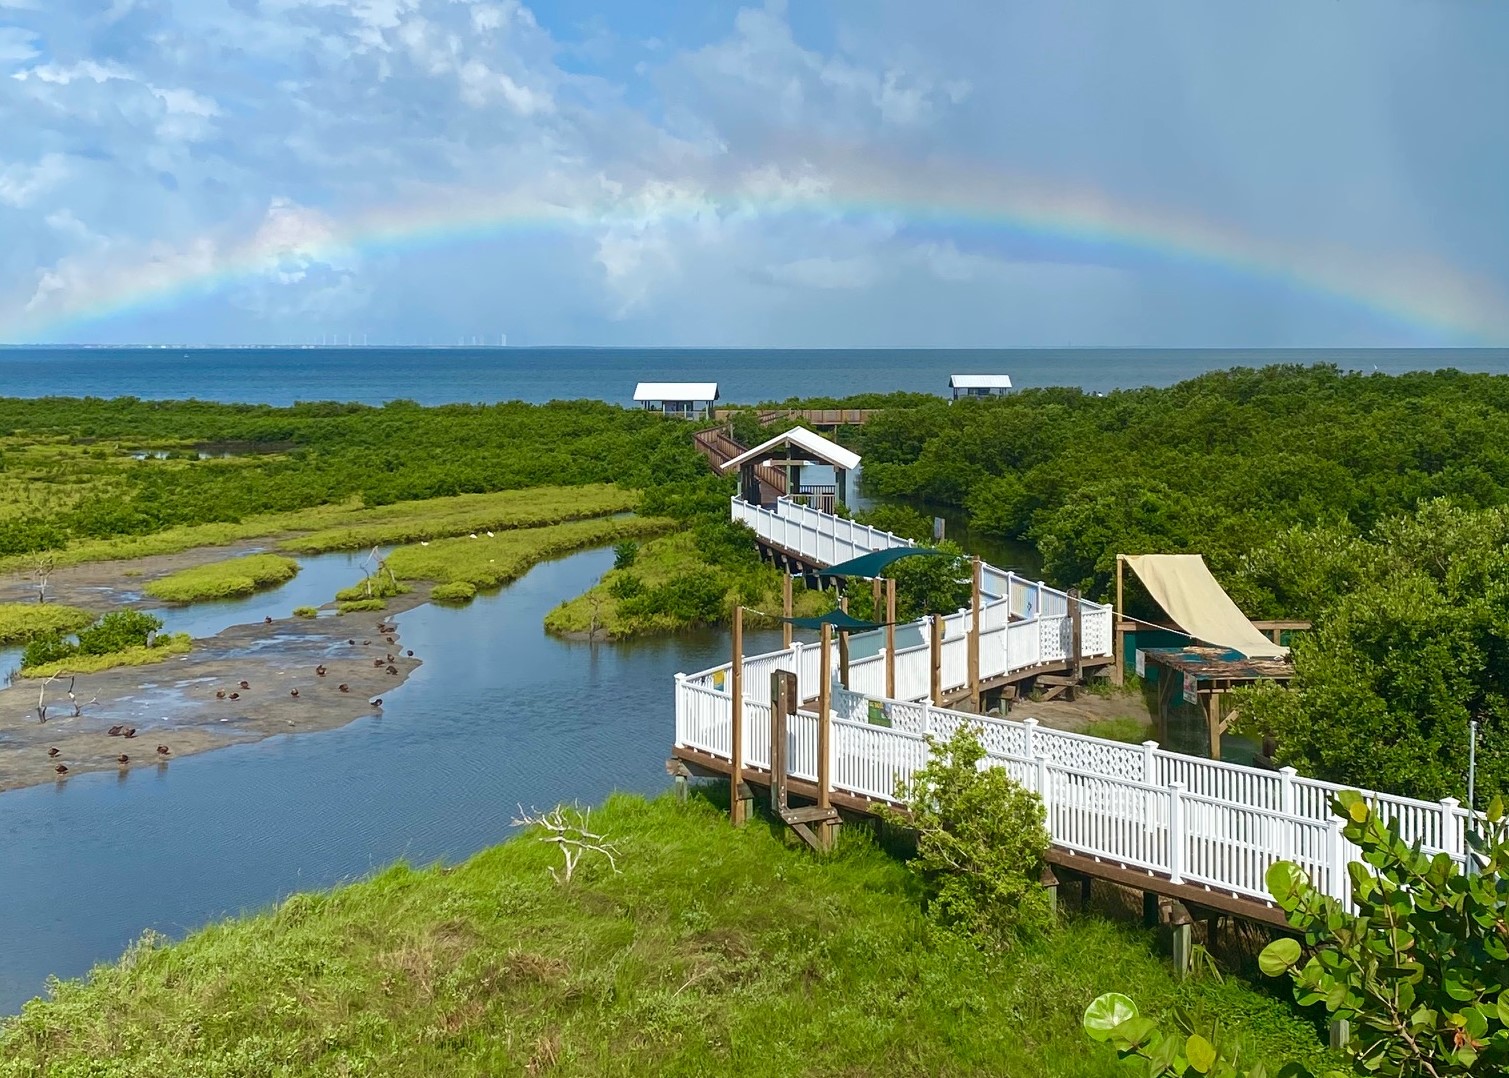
569,829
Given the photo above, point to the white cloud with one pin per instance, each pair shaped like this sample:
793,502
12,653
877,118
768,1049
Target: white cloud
21,184
17,45
826,273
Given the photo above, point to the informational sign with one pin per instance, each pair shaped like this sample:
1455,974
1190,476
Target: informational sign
880,713
719,681
1141,663
1191,689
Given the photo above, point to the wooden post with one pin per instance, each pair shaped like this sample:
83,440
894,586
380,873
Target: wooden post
875,598
786,611
890,638
975,607
935,665
843,646
783,700
736,745
824,724
1212,709
1076,638
1118,638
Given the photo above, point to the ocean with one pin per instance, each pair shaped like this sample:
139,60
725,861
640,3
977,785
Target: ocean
283,376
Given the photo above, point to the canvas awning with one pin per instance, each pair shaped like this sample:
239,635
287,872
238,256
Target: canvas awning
1194,599
875,563
843,622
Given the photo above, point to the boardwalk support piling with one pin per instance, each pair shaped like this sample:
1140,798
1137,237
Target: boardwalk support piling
890,638
935,666
737,805
976,605
786,610
1183,938
1049,880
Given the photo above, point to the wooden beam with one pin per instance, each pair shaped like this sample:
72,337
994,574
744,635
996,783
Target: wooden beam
736,766
1076,635
1212,708
890,638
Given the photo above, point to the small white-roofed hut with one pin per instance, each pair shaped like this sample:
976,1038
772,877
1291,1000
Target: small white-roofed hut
789,456
979,385
689,400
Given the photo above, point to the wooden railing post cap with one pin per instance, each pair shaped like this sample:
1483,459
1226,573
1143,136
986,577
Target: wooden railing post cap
680,677
1151,746
1288,772
1029,721
1450,803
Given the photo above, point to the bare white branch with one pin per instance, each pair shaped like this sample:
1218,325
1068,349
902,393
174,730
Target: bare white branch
569,829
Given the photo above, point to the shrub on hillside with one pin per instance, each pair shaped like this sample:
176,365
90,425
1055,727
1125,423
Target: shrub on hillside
625,553
980,844
117,631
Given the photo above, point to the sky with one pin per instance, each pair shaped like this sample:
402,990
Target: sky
823,173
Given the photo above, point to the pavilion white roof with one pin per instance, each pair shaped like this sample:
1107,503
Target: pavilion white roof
980,381
676,391
816,445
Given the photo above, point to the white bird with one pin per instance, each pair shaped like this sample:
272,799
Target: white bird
424,542
489,535
474,535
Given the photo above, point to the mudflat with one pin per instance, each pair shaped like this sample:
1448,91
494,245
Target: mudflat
178,703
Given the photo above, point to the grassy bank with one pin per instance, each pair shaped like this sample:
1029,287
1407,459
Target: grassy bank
165,648
492,561
673,585
351,525
19,622
224,579
714,950
437,518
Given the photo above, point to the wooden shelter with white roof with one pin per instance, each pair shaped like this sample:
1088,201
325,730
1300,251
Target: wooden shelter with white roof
790,454
979,385
689,400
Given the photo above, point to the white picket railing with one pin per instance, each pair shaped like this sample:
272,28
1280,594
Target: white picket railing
1203,822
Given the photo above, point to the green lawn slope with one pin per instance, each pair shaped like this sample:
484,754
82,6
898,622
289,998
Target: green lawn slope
711,951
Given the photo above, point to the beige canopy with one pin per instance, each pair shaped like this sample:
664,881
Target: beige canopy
1183,586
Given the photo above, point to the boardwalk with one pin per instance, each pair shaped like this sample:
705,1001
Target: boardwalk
1197,830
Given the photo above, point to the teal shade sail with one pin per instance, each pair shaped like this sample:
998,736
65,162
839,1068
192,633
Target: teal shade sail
840,620
875,562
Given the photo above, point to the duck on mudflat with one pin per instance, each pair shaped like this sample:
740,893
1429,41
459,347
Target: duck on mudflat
52,751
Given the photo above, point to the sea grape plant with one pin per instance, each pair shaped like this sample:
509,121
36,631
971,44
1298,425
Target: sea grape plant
1419,972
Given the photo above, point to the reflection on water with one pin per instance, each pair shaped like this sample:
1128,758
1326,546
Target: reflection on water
499,714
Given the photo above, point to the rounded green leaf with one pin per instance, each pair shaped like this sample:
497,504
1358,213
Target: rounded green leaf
1200,1053
1106,1012
1285,881
1279,956
1504,1008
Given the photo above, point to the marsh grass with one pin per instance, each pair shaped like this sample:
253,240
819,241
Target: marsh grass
490,562
714,950
165,648
224,579
20,622
350,525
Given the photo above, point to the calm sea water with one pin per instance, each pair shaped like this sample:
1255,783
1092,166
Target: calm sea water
446,375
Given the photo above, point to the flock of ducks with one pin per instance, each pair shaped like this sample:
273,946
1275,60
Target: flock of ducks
163,751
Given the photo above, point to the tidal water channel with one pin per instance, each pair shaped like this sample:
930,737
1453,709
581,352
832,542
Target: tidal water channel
500,714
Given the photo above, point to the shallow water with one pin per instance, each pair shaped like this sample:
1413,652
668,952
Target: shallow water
498,714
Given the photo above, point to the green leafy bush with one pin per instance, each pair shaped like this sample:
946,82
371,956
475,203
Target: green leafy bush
625,553
1128,729
306,612
117,631
625,585
980,844
48,648
1419,972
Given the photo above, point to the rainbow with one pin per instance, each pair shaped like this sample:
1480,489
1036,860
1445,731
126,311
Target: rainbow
1431,302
